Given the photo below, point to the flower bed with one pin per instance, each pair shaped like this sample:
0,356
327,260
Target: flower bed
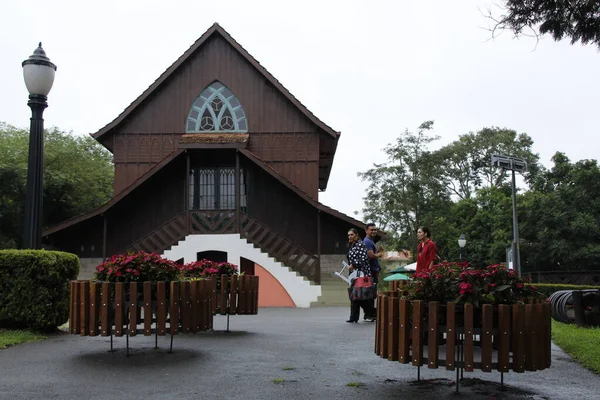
133,292
464,318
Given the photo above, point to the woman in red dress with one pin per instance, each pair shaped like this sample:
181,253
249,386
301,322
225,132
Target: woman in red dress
426,250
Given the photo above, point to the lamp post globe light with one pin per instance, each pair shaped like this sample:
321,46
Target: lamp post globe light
38,73
462,242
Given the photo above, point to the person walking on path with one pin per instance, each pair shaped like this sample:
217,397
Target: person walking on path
359,266
426,250
374,255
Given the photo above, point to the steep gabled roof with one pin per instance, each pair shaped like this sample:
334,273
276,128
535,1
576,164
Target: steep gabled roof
103,208
215,29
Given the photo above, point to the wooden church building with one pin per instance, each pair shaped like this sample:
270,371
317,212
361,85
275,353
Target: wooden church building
216,159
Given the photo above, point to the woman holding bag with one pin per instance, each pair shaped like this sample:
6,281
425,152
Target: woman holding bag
359,268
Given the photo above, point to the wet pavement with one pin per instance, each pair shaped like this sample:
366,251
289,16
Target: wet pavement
279,354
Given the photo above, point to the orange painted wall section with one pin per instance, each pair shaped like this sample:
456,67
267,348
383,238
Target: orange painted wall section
270,292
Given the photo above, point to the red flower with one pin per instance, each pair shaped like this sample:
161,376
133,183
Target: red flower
465,288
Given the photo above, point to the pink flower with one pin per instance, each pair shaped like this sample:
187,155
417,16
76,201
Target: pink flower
465,288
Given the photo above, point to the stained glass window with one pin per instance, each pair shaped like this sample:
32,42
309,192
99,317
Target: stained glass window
216,110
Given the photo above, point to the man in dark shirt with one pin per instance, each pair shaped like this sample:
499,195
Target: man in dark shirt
372,252
374,255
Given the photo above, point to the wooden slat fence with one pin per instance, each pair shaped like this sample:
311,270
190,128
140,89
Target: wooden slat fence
503,338
157,307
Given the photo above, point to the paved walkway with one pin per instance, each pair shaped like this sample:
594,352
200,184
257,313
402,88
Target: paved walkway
279,354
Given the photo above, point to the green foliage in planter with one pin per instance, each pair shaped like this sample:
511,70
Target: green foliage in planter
34,288
548,288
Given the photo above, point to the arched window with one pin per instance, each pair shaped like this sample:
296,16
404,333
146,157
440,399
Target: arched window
216,110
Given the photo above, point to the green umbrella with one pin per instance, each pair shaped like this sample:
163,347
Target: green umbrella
397,277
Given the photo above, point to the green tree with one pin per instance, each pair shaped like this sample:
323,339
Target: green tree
562,217
403,192
577,20
78,176
465,164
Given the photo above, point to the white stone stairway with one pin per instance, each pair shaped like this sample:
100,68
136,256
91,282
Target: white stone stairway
302,291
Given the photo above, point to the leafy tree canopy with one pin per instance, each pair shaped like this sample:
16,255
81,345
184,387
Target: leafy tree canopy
455,190
465,164
78,177
577,20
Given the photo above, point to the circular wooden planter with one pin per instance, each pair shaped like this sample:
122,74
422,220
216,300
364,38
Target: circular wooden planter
107,308
503,338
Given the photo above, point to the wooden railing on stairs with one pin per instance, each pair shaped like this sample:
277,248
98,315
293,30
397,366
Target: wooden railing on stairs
163,237
281,248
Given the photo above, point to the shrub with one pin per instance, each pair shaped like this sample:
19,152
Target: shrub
548,288
137,267
34,288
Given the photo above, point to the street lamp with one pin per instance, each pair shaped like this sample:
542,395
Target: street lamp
38,73
519,165
462,242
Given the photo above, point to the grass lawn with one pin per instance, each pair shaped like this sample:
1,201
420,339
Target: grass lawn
12,337
583,344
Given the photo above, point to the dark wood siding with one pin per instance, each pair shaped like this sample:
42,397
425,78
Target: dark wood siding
152,130
334,234
83,239
279,208
295,156
166,110
148,207
134,154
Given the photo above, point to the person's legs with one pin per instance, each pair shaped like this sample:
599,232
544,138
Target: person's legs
368,310
354,309
373,312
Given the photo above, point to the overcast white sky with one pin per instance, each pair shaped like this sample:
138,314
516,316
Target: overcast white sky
369,71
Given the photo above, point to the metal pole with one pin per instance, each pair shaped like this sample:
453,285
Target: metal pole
515,245
32,238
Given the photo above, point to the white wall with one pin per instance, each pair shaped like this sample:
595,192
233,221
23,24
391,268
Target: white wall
299,289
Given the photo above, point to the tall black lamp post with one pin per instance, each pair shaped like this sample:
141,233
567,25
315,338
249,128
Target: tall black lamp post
38,73
462,242
519,165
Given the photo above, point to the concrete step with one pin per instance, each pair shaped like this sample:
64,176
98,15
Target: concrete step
334,293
